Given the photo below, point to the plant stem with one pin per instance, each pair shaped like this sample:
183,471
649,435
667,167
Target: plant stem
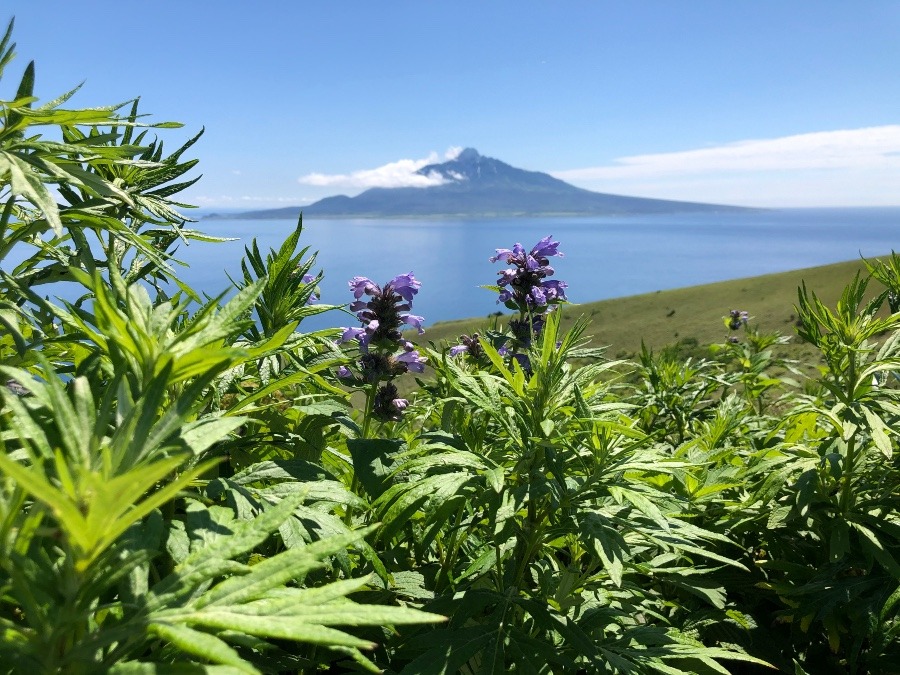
847,488
355,485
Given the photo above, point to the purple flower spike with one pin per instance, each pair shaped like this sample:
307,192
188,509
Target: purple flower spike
524,286
737,318
384,353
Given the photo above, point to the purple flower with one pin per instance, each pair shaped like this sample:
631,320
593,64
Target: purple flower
413,320
523,361
546,248
314,297
470,345
525,286
404,285
344,372
536,297
413,361
363,285
555,289
507,277
737,318
508,254
354,334
387,308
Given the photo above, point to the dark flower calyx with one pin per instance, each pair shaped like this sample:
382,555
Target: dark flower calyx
387,405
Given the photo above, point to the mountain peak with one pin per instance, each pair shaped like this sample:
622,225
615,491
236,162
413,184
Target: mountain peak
468,155
468,165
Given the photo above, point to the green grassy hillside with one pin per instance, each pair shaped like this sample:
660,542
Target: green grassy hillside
693,313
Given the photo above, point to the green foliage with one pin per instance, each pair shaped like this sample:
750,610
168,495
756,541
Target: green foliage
126,545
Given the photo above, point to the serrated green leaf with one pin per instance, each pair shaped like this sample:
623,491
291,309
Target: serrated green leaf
202,645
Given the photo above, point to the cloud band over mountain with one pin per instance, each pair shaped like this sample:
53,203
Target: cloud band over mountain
401,173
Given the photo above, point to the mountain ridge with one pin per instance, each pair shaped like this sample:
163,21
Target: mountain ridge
473,185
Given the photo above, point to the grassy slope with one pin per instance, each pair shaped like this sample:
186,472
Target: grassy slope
666,317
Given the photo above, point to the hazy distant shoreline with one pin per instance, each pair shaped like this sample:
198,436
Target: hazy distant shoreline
250,215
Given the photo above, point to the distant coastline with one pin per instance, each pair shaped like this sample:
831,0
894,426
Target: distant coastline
295,212
475,186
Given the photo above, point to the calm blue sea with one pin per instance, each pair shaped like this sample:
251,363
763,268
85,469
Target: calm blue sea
605,257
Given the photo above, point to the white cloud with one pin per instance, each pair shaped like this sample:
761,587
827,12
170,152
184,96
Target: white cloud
843,167
453,152
231,200
873,147
401,173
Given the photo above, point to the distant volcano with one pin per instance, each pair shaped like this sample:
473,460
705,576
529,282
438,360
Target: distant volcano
477,186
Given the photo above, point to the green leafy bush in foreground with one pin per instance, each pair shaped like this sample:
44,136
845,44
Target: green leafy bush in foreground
185,485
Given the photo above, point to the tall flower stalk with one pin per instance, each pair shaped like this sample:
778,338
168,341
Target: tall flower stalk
525,287
384,354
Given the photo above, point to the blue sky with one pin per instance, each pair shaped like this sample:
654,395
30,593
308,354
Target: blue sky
765,103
